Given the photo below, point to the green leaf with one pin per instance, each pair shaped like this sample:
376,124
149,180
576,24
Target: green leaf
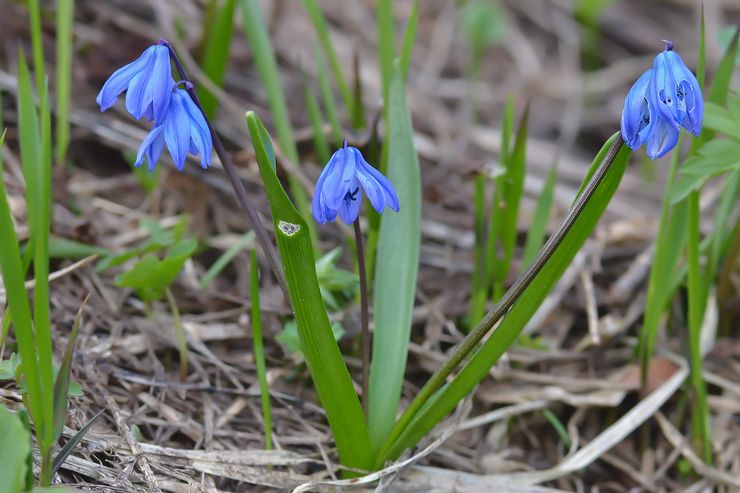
69,447
328,371
322,31
386,47
525,305
538,228
64,44
409,36
290,338
396,269
10,260
714,157
9,367
259,349
71,249
216,55
15,447
61,384
719,119
150,277
320,144
225,259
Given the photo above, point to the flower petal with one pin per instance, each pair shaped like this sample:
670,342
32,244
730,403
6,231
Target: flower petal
119,81
638,112
390,196
177,130
662,139
339,179
350,207
151,146
676,91
199,130
159,89
317,206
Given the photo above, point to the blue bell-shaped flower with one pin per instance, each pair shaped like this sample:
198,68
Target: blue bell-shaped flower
341,183
148,84
184,129
676,91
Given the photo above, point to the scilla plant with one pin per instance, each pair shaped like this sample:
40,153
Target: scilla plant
665,98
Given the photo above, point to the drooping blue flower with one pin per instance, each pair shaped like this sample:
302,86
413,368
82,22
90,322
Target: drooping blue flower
664,98
642,123
676,91
148,84
341,183
184,129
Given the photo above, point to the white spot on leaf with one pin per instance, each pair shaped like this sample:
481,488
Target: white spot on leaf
289,229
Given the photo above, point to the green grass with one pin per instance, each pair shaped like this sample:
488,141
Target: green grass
259,350
65,18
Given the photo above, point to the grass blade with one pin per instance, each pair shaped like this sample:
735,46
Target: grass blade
13,279
317,125
523,298
61,385
259,351
215,57
65,18
328,98
37,44
226,258
386,46
697,294
70,446
396,270
328,371
264,59
322,31
538,228
409,36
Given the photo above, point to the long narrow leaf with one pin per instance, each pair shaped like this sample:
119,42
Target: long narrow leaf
328,371
61,385
13,279
396,269
322,31
216,53
259,350
70,446
538,228
409,36
386,46
65,16
524,306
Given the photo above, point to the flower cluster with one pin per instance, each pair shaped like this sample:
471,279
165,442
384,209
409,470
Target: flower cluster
152,93
663,99
340,186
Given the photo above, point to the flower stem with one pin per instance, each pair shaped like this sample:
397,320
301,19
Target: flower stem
239,191
363,315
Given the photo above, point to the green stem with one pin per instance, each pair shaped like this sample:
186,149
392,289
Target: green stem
365,318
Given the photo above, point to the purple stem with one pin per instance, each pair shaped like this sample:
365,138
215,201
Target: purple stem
241,193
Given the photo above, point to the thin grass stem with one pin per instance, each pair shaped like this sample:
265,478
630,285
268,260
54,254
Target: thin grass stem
259,351
365,318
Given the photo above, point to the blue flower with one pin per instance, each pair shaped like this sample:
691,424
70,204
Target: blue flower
340,186
642,123
148,84
676,91
664,98
184,129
